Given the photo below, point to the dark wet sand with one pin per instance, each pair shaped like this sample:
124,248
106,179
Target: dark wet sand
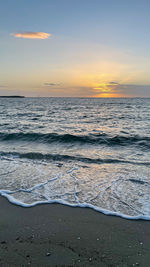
57,235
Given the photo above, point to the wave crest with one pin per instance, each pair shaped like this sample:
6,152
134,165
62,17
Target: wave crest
95,139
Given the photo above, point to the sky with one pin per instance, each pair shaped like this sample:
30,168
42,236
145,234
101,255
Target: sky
75,48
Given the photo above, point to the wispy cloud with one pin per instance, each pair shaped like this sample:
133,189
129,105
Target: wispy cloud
125,90
113,83
31,35
52,84
107,87
135,90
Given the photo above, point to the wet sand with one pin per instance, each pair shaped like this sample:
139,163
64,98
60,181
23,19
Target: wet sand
57,235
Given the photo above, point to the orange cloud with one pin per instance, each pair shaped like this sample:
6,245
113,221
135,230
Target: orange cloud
32,35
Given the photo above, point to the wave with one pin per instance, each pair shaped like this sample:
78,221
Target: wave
95,139
58,157
8,195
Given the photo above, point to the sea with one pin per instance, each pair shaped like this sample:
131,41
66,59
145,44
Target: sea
85,152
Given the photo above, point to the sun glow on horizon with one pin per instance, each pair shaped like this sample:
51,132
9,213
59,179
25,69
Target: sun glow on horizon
107,89
107,95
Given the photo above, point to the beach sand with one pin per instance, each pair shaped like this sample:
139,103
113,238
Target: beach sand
57,235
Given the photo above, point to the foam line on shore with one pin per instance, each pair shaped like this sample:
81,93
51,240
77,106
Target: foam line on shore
11,199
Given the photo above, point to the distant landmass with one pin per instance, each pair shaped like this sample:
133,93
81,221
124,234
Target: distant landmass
12,96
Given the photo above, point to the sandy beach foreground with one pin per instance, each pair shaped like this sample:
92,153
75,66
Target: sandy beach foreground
57,235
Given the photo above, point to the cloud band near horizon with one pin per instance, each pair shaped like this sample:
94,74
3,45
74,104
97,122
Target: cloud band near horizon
32,35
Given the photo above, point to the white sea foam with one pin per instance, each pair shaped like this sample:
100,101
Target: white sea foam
78,186
12,200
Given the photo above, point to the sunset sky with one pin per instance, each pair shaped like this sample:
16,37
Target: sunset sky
77,48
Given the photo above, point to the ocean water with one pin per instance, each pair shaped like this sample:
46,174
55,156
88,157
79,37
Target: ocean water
83,152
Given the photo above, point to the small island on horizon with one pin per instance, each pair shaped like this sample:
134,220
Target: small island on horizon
12,96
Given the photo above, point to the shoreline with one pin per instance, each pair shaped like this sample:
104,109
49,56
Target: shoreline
12,201
58,235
